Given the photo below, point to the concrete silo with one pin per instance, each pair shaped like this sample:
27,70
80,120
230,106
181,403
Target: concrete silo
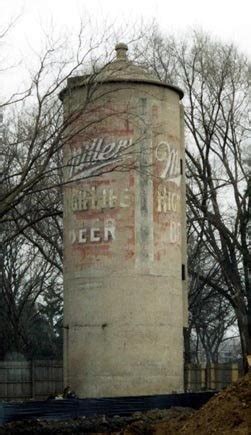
124,233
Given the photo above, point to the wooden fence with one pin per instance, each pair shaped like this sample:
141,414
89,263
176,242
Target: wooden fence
213,377
24,380
38,379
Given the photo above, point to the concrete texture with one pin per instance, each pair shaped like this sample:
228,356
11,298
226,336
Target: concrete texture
124,234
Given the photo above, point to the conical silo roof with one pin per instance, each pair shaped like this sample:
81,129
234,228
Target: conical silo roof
121,69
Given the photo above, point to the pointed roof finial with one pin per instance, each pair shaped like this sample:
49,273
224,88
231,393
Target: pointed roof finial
121,50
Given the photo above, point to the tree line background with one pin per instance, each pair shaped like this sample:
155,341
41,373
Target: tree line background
214,77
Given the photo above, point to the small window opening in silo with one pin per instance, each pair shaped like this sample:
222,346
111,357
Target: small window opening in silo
181,166
183,272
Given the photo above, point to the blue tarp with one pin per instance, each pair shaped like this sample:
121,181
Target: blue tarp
73,408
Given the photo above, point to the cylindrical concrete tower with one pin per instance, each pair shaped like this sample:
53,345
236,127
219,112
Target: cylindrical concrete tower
124,233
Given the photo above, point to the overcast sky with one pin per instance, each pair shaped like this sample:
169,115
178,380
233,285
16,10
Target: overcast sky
229,20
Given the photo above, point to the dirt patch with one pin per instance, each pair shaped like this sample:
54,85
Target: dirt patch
227,413
170,423
137,423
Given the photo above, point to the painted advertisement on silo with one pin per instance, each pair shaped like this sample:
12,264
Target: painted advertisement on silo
123,239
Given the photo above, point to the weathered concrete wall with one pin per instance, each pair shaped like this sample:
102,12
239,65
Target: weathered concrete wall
124,242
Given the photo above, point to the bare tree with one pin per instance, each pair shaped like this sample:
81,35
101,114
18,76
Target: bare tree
35,130
210,313
27,278
214,78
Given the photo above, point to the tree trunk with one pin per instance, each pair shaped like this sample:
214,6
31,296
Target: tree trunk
187,347
244,337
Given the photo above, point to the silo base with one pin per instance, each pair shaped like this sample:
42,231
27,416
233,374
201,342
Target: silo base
134,344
